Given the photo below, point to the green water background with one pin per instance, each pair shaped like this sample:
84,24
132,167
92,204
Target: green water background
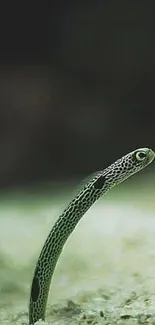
106,273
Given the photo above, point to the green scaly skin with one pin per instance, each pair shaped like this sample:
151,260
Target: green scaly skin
98,185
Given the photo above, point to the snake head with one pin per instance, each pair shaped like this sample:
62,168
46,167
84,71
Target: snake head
128,165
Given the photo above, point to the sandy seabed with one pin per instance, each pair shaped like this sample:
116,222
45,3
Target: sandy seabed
106,273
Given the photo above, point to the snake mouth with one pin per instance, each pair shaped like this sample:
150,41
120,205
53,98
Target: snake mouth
151,155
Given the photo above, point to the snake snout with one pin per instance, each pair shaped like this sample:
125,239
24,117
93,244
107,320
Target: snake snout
151,155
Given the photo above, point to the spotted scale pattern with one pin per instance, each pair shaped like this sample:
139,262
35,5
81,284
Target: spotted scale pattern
97,185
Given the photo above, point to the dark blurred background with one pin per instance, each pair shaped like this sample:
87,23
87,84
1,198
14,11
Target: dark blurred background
77,86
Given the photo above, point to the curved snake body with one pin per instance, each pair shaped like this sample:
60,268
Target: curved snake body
99,184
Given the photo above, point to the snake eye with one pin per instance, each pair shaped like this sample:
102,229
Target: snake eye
141,155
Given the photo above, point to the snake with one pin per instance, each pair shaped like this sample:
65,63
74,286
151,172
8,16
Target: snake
99,183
